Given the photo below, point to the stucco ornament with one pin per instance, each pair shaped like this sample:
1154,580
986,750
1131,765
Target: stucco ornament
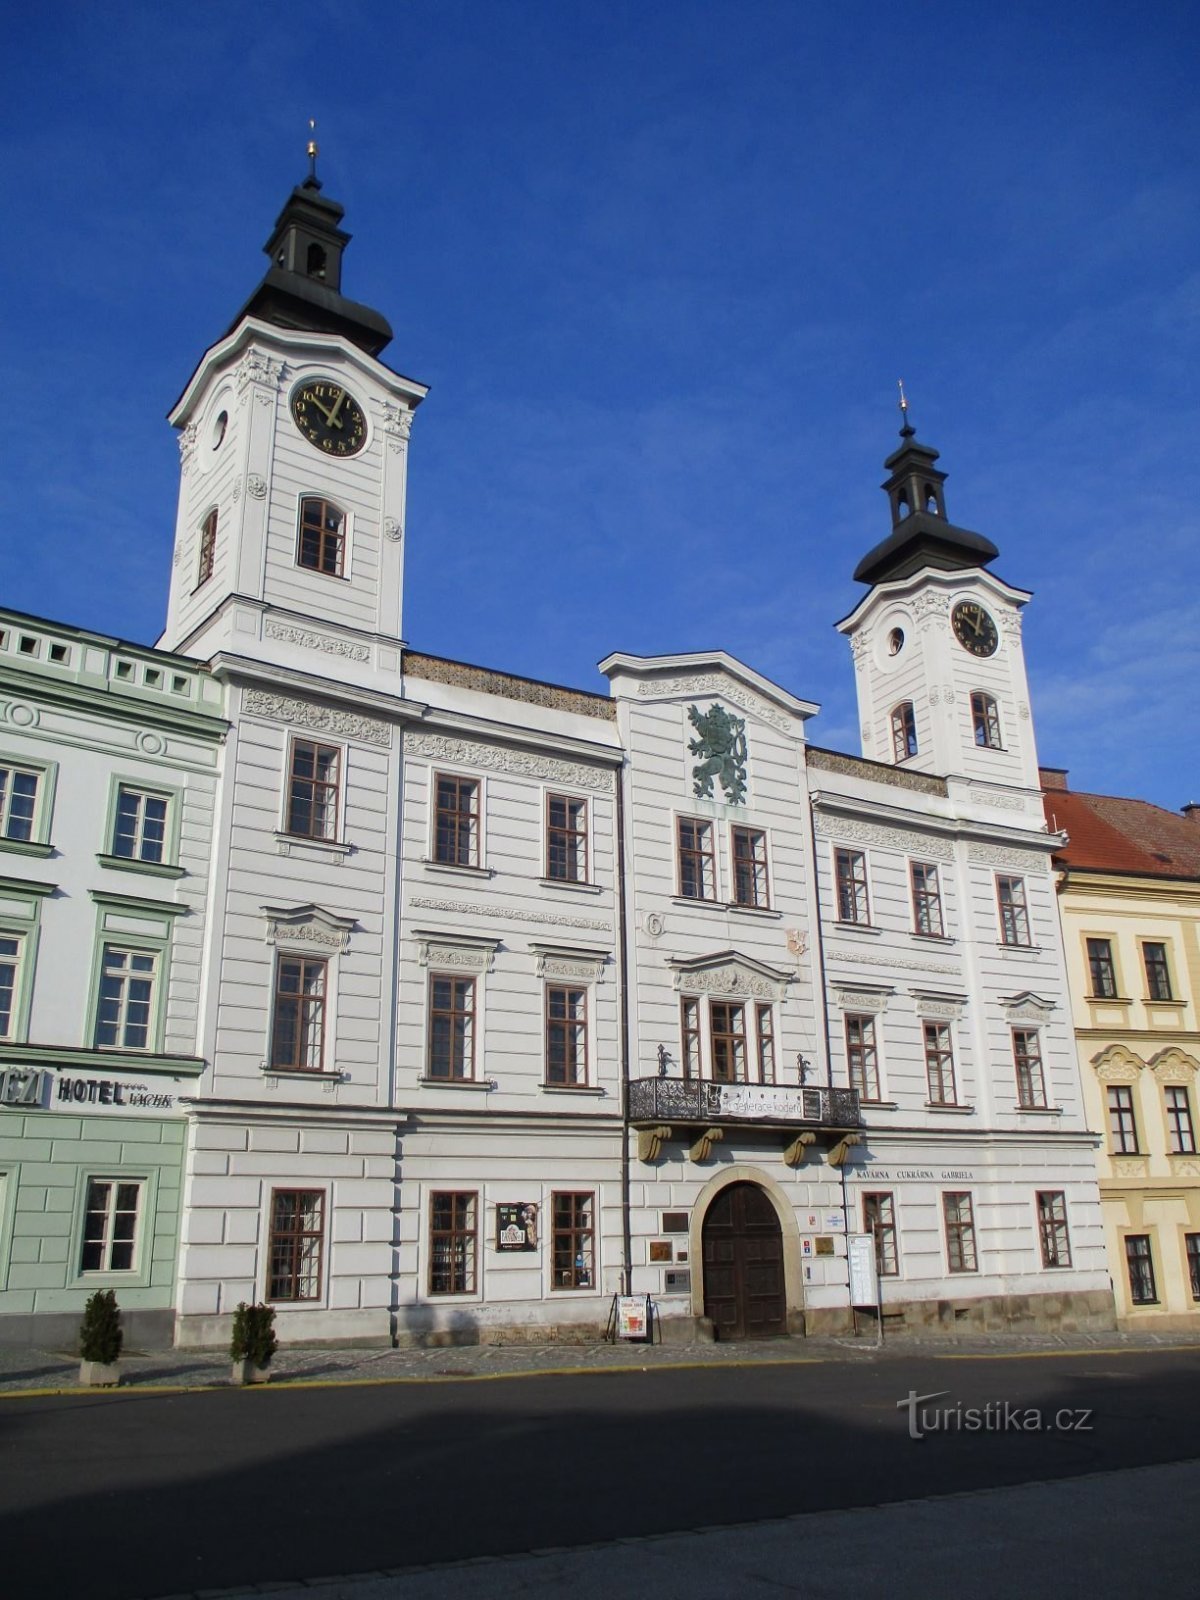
721,745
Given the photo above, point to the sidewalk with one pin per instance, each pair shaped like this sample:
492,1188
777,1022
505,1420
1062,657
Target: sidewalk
55,1371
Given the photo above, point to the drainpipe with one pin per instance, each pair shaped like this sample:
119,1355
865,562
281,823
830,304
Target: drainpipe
623,986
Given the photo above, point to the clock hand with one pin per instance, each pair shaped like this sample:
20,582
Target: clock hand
324,410
331,417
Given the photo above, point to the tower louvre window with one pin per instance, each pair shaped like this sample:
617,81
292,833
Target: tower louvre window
904,731
315,264
322,541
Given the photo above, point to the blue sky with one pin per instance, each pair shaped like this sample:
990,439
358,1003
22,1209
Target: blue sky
662,264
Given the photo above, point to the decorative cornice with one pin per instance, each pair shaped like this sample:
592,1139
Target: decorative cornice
873,771
730,978
528,690
302,926
442,951
873,1000
906,963
929,606
1035,859
256,366
998,801
714,683
903,840
322,719
576,969
507,913
305,637
495,758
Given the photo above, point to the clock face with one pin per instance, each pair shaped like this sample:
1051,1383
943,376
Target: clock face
974,628
329,417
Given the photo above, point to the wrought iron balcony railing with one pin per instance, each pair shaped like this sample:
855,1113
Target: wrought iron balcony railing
774,1105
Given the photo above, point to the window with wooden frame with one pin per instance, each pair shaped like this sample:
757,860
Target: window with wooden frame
904,731
456,821
566,1037
573,1241
1014,913
1027,1061
1101,970
1122,1125
750,886
1052,1228
18,802
321,544
764,1016
727,1022
939,1063
1139,1262
1158,974
12,950
879,1220
451,1028
926,899
296,1245
314,783
689,1024
850,873
110,1225
985,721
208,549
697,859
126,1015
862,1056
958,1215
140,825
298,1024
1181,1135
453,1241
1191,1246
566,839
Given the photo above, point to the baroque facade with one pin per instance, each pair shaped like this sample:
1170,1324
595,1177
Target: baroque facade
503,997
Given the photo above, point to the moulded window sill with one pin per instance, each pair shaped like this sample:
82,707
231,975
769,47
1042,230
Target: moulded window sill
298,1074
573,885
27,847
1178,1004
1182,1155
1127,1155
754,911
573,1088
450,868
1109,999
1038,1111
153,869
696,900
307,845
1025,949
945,1109
880,1105
484,1084
934,938
858,927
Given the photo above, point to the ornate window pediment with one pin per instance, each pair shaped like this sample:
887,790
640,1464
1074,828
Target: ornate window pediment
729,973
1174,1065
869,997
1117,1064
570,963
308,926
1028,1007
463,952
933,1003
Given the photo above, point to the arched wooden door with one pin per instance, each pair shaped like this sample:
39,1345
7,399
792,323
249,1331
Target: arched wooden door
743,1265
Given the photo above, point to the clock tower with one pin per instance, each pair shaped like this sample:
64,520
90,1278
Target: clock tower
938,660
294,450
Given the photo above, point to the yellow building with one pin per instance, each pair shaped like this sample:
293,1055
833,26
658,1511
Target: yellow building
1129,892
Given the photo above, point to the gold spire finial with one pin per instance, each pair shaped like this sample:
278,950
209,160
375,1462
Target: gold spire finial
907,430
899,385
313,149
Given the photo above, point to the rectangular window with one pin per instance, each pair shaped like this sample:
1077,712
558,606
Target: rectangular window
566,1037
298,1030
904,731
140,831
296,1245
960,1232
456,821
11,948
850,870
18,802
208,549
689,1023
313,783
453,1242
1100,966
110,1225
1027,1059
926,898
1158,977
573,1246
1121,1124
697,861
452,1028
1014,913
322,540
765,1018
985,721
879,1220
1052,1228
862,1058
1191,1242
1181,1134
566,839
126,1014
1140,1263
728,1022
750,868
939,1063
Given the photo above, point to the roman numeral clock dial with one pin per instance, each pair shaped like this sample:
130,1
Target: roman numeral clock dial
329,417
974,628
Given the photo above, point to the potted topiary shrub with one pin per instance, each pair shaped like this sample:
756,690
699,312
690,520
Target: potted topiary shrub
253,1343
100,1339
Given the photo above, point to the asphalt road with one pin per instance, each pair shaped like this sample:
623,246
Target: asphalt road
124,1495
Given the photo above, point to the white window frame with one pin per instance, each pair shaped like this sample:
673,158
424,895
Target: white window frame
46,774
1019,909
927,867
347,572
589,870
10,1027
115,1181
856,922
431,859
114,945
714,854
285,828
761,868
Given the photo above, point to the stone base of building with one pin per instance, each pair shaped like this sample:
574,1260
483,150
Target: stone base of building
1075,1311
1163,1322
350,1329
59,1330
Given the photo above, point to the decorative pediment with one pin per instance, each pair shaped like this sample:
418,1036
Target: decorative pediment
461,952
933,1003
572,963
862,997
1117,1064
729,974
1028,1007
301,927
1174,1065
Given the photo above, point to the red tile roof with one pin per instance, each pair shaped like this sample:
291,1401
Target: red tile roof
1109,834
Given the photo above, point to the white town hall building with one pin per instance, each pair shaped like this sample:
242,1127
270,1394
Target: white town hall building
474,1000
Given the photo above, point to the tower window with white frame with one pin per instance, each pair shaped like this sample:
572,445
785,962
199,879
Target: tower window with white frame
321,537
985,721
926,899
1014,913
904,731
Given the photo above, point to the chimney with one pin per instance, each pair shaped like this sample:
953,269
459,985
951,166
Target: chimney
1192,811
1055,778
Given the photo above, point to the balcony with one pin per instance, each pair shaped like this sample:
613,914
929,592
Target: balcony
698,1101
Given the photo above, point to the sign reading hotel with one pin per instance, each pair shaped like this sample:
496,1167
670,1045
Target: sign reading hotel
51,1089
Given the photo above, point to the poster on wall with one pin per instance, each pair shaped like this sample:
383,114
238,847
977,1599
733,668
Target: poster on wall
633,1316
516,1226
